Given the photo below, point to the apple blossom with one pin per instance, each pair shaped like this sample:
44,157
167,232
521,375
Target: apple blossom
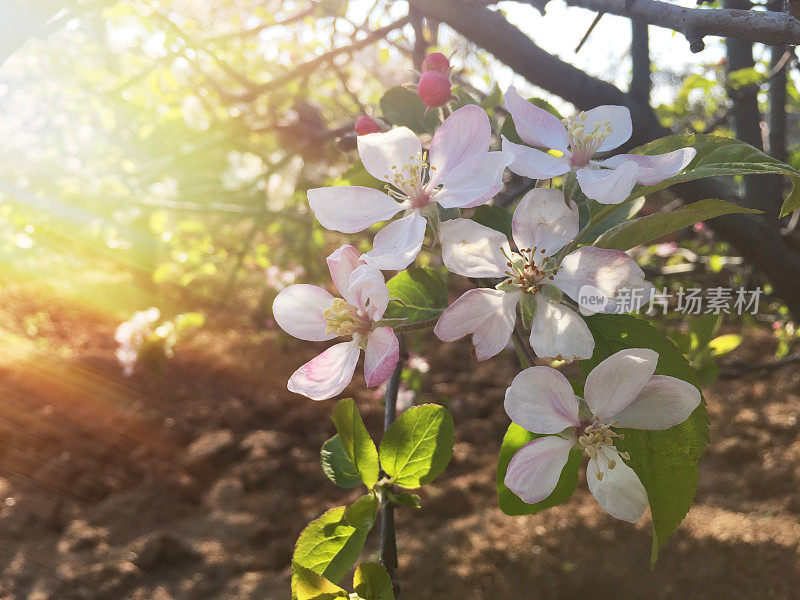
542,225
578,139
620,392
310,313
461,172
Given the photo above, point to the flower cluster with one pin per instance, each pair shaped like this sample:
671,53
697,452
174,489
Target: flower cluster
542,274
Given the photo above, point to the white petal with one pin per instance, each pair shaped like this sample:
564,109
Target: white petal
489,315
298,310
326,375
397,245
621,124
559,332
381,355
603,280
535,164
368,291
473,250
655,168
341,263
351,208
617,381
384,153
463,134
620,492
543,220
541,400
472,178
534,470
535,125
663,403
608,186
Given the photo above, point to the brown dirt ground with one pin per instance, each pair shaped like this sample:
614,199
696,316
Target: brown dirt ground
194,484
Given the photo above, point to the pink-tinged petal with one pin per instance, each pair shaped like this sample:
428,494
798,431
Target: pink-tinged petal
655,168
472,179
326,375
559,332
397,245
463,134
621,125
381,355
617,381
535,164
541,400
663,403
534,470
493,191
535,125
473,250
619,492
369,292
341,263
298,311
489,315
382,154
603,280
608,186
543,220
351,208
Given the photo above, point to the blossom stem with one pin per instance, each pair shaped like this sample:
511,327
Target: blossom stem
526,356
416,326
598,218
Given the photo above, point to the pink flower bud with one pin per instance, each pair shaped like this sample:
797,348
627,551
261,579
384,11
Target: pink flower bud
433,88
366,125
436,61
700,227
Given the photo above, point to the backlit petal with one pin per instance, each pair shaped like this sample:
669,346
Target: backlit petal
621,124
655,168
384,153
473,250
617,381
298,311
351,208
368,291
381,355
341,263
328,374
663,403
535,125
559,332
543,220
541,400
463,134
534,470
472,179
608,186
619,492
397,245
535,164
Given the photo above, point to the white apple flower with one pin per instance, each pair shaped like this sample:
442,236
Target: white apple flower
542,225
578,139
620,392
310,313
460,173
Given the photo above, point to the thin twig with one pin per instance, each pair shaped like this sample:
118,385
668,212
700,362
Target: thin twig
520,341
735,369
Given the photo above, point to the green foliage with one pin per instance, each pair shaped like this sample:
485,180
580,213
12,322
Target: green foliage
361,514
403,107
527,308
631,233
372,582
701,348
511,504
494,217
410,500
421,292
357,443
336,464
309,585
417,447
665,461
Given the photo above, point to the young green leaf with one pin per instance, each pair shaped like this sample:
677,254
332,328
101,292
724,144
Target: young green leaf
495,217
336,464
329,545
527,307
362,512
410,500
372,582
357,444
702,329
723,344
422,293
665,461
403,107
511,504
309,585
417,447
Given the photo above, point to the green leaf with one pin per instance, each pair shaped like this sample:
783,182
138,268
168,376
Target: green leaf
725,343
422,293
511,504
719,156
362,512
309,585
665,461
403,107
372,582
336,464
495,217
493,99
623,213
357,444
410,500
527,307
329,545
357,175
628,234
702,330
417,447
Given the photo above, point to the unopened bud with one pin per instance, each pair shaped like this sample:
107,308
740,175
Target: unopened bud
433,89
436,61
366,125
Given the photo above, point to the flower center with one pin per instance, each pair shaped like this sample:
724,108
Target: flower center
527,270
597,436
583,143
342,318
408,183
